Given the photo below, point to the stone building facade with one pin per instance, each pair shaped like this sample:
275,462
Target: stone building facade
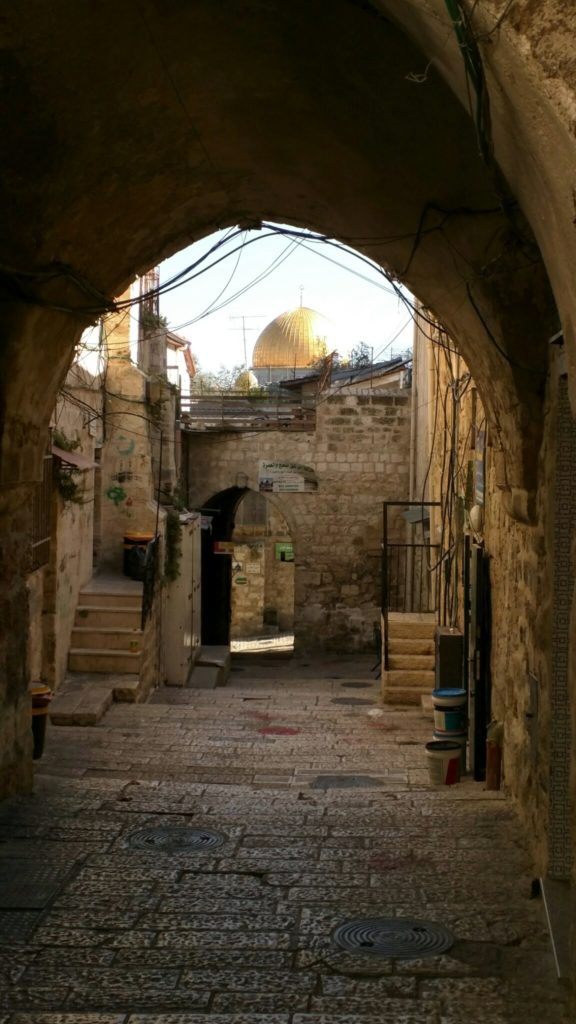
359,451
530,579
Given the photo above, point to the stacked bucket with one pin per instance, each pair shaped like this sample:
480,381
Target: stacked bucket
446,753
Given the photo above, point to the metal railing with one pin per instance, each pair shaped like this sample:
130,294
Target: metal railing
409,569
236,411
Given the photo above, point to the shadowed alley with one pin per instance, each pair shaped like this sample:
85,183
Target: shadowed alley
323,814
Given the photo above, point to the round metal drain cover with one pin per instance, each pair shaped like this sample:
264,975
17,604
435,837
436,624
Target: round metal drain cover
351,700
174,838
398,937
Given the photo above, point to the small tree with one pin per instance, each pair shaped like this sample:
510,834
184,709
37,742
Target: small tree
361,355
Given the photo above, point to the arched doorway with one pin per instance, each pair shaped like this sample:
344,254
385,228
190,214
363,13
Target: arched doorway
262,595
218,512
247,568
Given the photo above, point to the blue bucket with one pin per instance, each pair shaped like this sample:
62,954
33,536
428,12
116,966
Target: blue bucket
449,711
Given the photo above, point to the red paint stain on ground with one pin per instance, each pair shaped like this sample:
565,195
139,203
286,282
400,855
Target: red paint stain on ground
278,730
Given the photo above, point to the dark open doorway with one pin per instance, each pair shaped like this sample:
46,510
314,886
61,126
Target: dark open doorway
217,568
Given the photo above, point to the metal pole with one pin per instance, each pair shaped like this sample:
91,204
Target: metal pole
385,580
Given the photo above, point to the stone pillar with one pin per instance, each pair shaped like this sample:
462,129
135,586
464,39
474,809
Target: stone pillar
560,838
15,717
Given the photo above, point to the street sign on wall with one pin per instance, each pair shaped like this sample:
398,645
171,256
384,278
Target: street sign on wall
286,476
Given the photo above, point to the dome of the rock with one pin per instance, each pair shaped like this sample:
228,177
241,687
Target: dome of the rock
293,340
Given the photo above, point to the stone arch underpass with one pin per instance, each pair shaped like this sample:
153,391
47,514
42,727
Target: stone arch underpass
358,453
130,130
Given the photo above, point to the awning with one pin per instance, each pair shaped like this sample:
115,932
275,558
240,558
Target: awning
75,459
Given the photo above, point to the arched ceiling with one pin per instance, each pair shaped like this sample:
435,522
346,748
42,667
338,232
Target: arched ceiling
130,130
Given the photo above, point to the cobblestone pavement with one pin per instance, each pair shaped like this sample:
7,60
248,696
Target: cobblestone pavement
326,814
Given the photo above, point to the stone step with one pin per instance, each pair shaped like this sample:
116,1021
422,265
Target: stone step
108,637
111,598
409,662
106,615
417,678
401,645
128,689
410,629
98,659
427,705
401,695
205,677
84,707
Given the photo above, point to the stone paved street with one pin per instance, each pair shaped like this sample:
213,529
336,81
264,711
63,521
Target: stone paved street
326,815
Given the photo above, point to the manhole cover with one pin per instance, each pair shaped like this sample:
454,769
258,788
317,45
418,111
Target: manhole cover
173,838
356,686
345,782
351,700
393,937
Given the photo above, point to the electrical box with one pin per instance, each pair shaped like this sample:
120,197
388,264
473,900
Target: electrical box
449,658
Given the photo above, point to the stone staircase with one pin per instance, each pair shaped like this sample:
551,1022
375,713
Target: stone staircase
411,659
106,637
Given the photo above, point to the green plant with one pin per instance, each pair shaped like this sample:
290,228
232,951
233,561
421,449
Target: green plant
152,321
63,442
173,549
68,488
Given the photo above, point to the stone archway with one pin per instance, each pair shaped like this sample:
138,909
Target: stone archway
350,118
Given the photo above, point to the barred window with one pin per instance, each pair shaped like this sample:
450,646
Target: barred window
42,517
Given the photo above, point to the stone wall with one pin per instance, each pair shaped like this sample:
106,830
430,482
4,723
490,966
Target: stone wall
128,481
279,580
264,603
360,453
53,589
248,579
521,565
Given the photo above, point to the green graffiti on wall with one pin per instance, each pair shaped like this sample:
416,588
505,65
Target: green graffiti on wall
116,494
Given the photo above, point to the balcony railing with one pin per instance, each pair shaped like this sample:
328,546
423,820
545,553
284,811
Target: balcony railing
237,411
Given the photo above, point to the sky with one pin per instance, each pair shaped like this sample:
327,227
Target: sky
360,309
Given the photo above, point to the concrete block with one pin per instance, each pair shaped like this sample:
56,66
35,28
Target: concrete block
205,677
214,655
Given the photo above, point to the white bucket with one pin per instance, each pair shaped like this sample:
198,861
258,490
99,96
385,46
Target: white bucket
449,711
444,762
456,737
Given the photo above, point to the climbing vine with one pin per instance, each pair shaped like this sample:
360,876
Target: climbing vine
173,548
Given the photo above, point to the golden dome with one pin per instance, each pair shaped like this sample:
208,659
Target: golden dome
293,340
246,380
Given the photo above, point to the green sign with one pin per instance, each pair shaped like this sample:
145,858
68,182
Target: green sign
284,552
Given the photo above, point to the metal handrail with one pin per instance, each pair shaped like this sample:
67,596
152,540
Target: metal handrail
385,579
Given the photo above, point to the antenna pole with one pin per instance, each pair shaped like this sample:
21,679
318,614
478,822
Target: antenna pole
244,318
